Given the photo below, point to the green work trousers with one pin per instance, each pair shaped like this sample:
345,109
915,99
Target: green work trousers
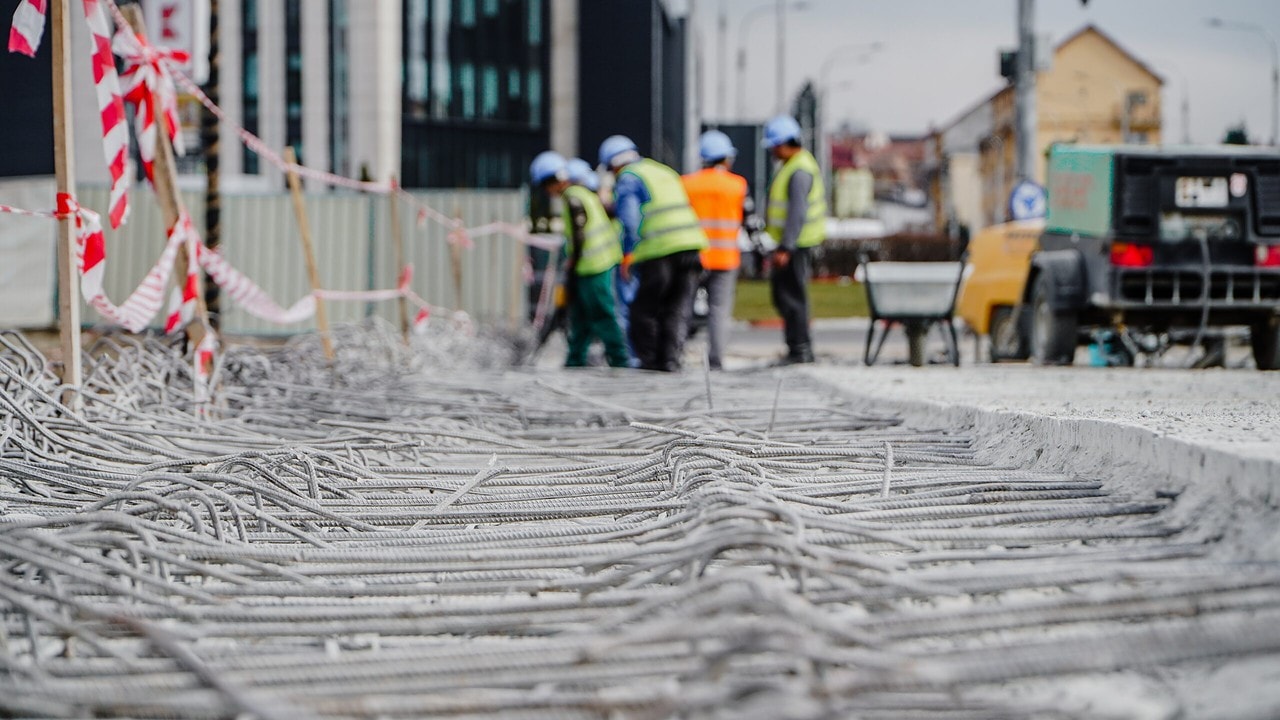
592,316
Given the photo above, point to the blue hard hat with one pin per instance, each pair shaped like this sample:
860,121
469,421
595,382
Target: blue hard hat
546,166
581,172
715,145
613,146
780,130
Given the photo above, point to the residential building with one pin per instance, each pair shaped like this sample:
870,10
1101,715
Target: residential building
1095,91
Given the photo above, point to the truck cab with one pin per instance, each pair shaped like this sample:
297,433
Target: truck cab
1151,239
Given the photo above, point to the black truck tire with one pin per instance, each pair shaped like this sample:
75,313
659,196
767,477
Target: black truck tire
1006,333
1264,335
1053,331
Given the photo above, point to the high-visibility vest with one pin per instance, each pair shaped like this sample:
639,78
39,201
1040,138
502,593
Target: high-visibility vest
717,196
601,248
815,221
667,223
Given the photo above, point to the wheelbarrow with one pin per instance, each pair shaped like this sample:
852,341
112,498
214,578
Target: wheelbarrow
915,296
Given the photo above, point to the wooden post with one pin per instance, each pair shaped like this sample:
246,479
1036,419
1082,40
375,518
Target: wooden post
455,262
65,170
397,241
515,320
165,181
304,231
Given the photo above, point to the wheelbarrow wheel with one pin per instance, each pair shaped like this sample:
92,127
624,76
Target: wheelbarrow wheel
917,333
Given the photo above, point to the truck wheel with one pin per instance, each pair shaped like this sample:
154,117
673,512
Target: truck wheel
1053,332
1007,339
1264,335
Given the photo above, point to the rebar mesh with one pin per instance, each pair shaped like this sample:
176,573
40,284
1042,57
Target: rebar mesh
403,534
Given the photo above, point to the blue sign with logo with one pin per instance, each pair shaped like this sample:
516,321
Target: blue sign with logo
1027,201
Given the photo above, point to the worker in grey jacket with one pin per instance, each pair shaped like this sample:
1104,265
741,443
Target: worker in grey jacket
796,220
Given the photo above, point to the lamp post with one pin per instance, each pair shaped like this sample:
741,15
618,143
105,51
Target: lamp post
1275,65
868,49
743,29
1185,107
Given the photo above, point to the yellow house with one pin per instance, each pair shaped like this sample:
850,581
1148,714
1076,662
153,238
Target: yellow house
1095,92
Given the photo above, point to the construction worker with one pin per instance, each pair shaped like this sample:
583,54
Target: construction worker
593,253
581,173
661,239
796,220
718,198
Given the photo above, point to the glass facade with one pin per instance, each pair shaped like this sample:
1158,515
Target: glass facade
249,83
474,95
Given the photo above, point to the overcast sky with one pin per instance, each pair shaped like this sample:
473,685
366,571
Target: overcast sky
939,57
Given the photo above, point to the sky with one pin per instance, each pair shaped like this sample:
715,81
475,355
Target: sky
939,57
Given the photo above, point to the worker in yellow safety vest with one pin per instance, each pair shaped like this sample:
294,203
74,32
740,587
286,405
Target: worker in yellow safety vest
796,220
719,199
661,239
593,253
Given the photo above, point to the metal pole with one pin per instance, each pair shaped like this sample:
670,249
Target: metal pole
782,56
1025,90
722,31
1275,89
1125,108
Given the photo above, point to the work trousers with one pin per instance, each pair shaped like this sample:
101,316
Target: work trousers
790,286
721,287
592,316
659,315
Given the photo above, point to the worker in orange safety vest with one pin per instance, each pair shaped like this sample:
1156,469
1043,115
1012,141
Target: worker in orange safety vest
719,199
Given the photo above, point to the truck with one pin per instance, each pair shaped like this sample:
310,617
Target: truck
1146,240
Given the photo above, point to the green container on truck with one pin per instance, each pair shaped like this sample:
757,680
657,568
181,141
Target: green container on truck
1153,240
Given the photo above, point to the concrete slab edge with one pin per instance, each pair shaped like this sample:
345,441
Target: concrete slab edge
1134,458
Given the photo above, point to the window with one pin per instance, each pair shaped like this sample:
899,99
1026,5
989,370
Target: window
535,22
474,91
467,13
489,92
535,97
467,90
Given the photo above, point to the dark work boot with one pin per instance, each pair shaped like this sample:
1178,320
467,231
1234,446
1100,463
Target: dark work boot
799,355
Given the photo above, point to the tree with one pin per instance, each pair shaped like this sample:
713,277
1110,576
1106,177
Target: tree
1236,135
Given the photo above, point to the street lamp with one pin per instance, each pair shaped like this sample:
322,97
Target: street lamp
868,49
1275,66
1186,101
743,29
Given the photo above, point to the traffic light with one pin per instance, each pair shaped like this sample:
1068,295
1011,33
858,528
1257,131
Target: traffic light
1008,64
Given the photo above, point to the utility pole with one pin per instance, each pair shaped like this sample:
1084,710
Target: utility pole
1025,91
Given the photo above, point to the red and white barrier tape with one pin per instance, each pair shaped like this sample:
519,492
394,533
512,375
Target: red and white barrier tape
28,27
25,37
149,86
184,298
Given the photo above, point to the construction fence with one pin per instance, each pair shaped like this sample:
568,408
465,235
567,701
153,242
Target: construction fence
351,234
